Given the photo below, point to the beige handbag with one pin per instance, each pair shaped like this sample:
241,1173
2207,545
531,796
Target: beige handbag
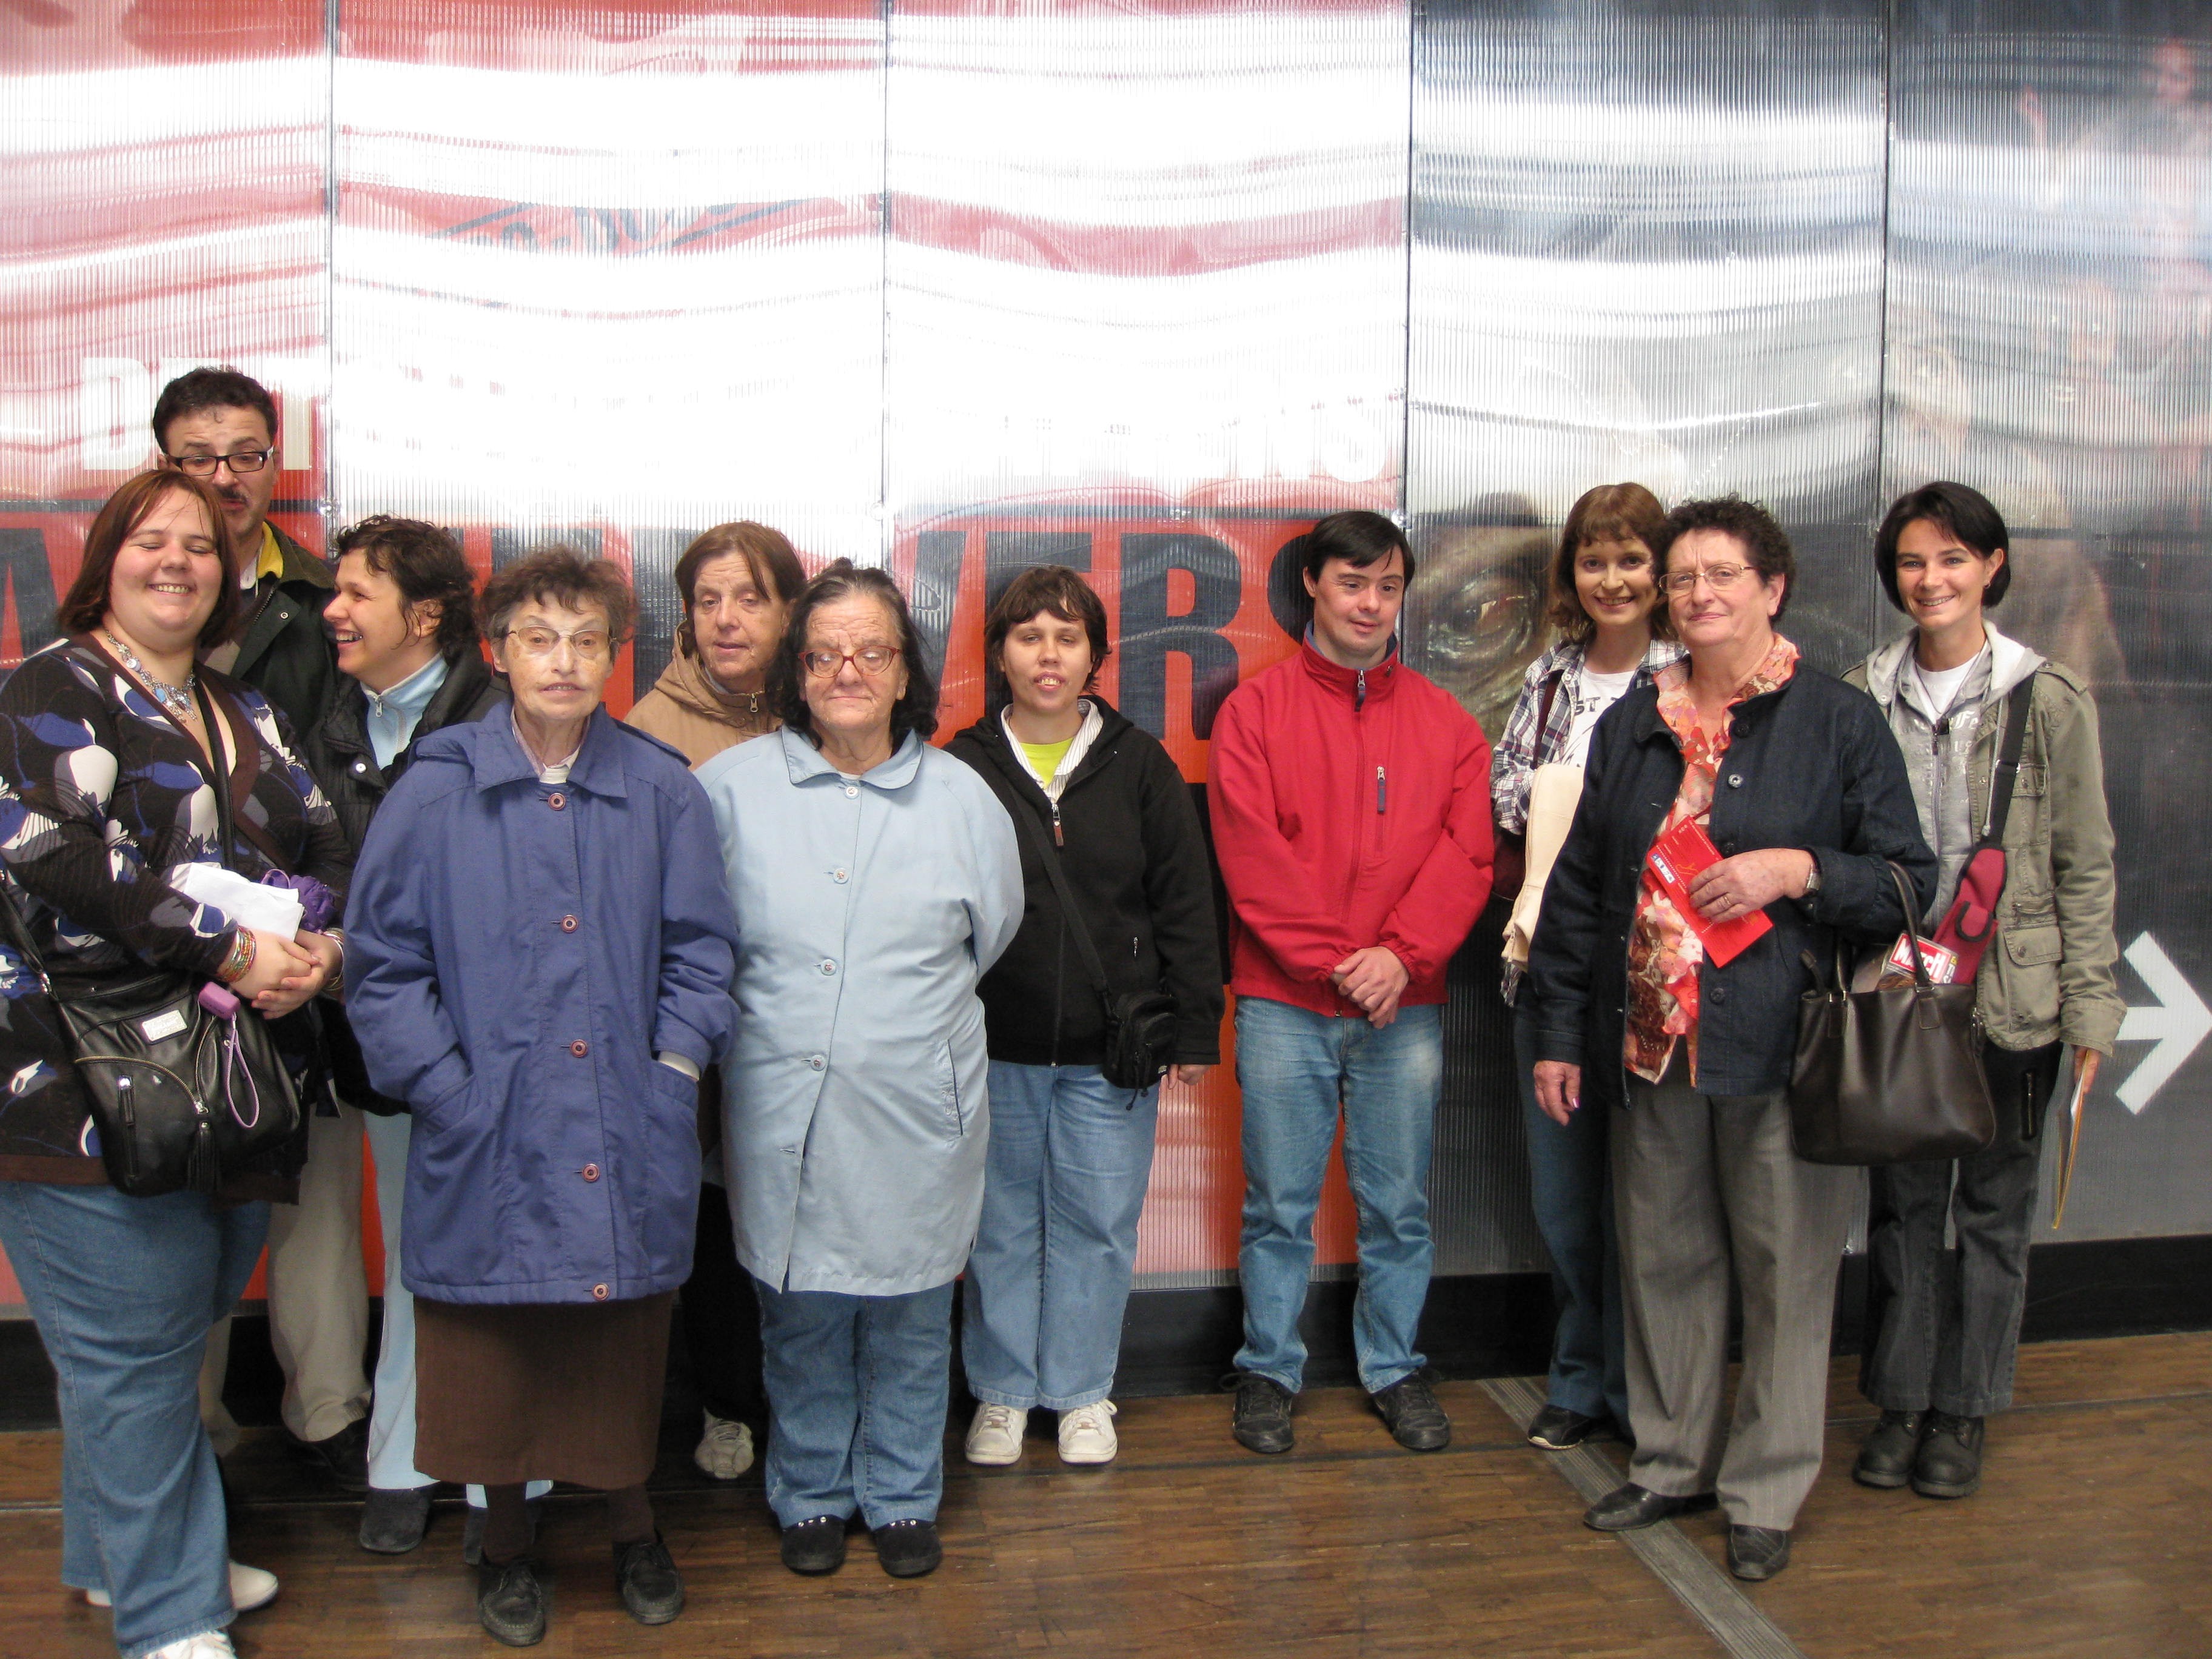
1554,791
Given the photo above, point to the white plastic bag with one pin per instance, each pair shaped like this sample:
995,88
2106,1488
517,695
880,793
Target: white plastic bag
248,903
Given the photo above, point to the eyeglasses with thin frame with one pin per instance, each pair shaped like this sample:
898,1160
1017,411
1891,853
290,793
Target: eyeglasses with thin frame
590,644
241,462
869,660
1719,577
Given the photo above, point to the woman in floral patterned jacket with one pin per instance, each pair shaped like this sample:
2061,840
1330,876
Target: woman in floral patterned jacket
108,770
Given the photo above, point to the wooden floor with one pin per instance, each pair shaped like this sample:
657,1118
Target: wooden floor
2087,1541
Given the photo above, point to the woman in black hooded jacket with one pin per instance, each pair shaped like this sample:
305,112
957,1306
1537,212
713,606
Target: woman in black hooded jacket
1070,1155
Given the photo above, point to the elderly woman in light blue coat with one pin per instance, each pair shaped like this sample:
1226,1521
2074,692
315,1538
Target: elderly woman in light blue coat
875,879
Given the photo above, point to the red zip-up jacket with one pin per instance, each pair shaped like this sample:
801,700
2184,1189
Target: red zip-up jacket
1349,809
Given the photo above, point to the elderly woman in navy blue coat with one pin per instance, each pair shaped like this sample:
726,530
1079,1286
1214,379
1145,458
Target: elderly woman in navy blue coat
541,951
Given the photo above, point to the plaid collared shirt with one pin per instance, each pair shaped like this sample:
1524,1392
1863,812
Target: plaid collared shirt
1521,747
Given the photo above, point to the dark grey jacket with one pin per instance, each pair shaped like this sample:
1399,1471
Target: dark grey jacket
339,756
1811,765
285,652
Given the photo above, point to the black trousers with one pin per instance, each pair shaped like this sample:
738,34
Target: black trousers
1943,1324
720,1314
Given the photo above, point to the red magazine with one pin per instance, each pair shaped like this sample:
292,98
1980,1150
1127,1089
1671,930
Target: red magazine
1676,860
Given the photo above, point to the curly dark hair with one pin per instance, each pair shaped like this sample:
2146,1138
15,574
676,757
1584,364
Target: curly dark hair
1611,512
916,711
566,577
425,564
85,606
1765,544
1960,508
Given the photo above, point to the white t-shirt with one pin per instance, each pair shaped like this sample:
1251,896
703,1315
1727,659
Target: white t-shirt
1593,694
1940,686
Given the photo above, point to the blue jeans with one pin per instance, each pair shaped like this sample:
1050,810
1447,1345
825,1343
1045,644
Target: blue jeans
124,1290
856,1395
1295,1069
1049,1279
1570,1188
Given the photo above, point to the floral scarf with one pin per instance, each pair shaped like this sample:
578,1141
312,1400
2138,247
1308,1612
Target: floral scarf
1663,950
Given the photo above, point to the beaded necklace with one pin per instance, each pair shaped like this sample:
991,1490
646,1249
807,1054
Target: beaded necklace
177,699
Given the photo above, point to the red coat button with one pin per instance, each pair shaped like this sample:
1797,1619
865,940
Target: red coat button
591,1172
556,800
567,924
580,1048
598,1292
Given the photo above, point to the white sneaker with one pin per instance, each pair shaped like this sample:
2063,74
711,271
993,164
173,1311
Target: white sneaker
1086,1434
725,1449
213,1645
250,1587
995,1438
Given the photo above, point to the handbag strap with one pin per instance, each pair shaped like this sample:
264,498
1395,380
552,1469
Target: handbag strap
1084,948
1920,978
2007,768
242,774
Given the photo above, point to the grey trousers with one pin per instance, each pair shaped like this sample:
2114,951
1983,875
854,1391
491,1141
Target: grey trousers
1704,1184
1944,1325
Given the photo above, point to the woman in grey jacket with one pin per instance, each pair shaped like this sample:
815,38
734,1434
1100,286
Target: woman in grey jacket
1941,1358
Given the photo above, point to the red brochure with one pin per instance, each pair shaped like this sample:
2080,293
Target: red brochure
1676,860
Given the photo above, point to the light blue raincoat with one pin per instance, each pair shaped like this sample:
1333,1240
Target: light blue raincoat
853,1112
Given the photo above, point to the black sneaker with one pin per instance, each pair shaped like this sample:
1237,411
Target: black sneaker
1263,1412
342,1458
816,1546
1556,1428
908,1549
394,1519
1416,1422
651,1588
511,1603
1886,1455
1950,1460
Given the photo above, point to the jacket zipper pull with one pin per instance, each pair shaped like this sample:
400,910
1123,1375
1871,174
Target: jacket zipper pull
1359,696
1381,792
1058,840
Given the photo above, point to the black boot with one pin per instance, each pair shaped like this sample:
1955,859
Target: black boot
1886,1455
1950,1460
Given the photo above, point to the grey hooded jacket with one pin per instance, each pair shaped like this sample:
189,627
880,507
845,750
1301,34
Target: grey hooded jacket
2049,975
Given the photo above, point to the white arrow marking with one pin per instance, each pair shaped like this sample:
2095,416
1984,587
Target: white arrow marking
2177,1025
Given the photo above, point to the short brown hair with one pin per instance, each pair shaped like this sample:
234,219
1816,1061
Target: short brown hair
211,388
767,554
1610,512
1765,544
564,576
84,607
1059,591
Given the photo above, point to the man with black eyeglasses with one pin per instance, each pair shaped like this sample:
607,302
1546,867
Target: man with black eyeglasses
220,426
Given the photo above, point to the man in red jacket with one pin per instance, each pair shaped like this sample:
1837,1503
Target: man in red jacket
1351,809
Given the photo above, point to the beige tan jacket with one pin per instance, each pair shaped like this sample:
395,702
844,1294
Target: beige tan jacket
687,709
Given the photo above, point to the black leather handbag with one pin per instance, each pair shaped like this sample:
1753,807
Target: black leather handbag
1889,1076
185,1083
1140,1026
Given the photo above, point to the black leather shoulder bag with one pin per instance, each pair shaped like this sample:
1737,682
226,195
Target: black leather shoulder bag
185,1083
1889,1076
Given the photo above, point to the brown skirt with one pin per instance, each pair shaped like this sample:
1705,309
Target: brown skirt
554,1392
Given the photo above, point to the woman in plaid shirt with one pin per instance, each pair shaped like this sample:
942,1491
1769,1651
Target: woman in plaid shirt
1604,601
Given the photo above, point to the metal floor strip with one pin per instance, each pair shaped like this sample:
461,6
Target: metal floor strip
1710,1594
